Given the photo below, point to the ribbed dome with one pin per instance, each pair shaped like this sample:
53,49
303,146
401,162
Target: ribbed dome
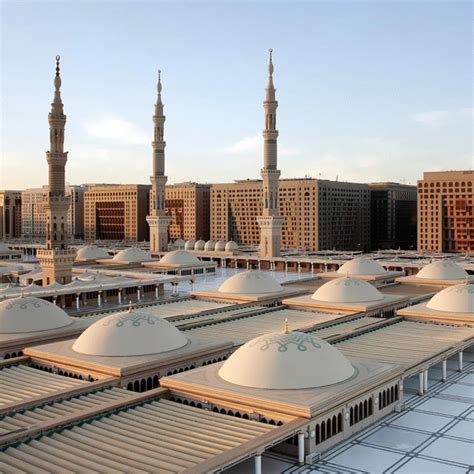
347,290
362,266
29,314
199,245
189,245
442,270
454,299
220,246
132,254
231,246
249,283
281,360
209,246
129,333
91,252
179,244
179,257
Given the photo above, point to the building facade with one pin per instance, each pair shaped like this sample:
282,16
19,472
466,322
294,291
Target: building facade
33,214
10,214
446,211
393,216
318,214
116,212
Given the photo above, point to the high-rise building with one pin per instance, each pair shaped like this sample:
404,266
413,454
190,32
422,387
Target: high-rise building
188,206
269,219
10,214
56,259
33,213
393,216
157,218
318,214
446,211
116,212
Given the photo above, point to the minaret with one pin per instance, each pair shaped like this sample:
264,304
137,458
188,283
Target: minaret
57,259
270,221
158,220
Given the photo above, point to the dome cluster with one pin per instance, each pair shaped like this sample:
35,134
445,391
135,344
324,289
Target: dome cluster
29,314
129,333
211,246
442,270
347,290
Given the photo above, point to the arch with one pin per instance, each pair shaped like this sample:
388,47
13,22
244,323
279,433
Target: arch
371,408
263,420
366,409
149,383
339,422
392,394
361,411
136,386
396,393
129,386
215,409
317,438
334,425
323,431
380,400
245,416
222,411
384,399
143,385
351,416
156,381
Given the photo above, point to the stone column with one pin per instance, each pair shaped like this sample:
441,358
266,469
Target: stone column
258,463
460,361
300,449
444,367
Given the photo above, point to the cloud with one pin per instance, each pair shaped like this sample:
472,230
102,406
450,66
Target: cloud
117,129
433,118
254,145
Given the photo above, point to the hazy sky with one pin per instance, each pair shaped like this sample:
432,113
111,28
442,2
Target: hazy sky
367,91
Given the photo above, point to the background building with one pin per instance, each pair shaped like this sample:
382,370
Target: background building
393,216
116,212
10,214
318,214
33,215
446,211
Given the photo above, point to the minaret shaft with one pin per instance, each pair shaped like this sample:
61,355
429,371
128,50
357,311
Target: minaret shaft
157,219
270,222
57,259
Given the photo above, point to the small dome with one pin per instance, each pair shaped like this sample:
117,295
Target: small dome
29,314
189,245
91,252
179,257
442,270
286,360
199,245
132,254
231,246
129,333
249,283
347,290
179,244
454,299
362,266
210,245
220,246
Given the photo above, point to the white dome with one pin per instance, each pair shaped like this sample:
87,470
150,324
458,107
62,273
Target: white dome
209,246
442,270
250,282
180,257
199,245
129,333
179,244
220,246
281,360
29,314
362,266
347,290
231,246
91,252
132,254
189,245
454,299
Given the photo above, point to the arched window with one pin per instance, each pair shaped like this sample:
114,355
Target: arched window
339,422
317,435
352,416
328,428
334,425
323,431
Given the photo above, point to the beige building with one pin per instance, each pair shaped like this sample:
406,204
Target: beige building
116,212
446,211
318,214
10,214
33,214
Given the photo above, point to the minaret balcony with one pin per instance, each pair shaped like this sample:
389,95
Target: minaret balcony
265,172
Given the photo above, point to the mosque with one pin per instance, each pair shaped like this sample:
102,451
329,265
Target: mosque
201,381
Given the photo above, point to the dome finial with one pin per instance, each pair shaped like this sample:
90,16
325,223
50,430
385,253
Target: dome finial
130,308
159,81
286,329
270,64
57,64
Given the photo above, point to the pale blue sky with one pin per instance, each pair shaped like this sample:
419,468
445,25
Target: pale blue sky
367,91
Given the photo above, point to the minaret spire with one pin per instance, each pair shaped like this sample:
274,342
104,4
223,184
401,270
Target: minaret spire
270,222
158,220
57,259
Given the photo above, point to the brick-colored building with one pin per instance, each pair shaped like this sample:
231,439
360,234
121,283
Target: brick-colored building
116,212
319,214
10,214
446,211
33,215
